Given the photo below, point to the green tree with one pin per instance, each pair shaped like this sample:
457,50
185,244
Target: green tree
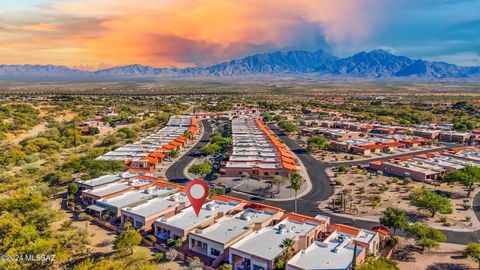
431,202
178,243
394,218
158,257
469,177
342,168
317,143
127,240
73,189
287,248
473,251
279,180
210,149
244,176
379,264
200,169
296,182
225,266
288,126
425,236
174,153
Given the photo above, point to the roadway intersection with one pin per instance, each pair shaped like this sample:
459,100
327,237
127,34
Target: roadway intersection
321,184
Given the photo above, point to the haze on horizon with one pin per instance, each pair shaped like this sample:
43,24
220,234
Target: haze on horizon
93,34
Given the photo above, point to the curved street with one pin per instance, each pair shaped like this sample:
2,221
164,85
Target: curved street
321,190
175,172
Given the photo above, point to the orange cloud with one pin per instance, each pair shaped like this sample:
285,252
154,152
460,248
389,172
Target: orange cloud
185,33
40,27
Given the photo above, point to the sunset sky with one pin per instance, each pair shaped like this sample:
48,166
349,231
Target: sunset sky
92,34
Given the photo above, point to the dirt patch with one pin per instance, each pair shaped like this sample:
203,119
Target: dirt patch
99,239
367,195
448,257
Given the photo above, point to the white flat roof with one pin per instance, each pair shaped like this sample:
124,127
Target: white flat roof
254,158
327,255
135,196
473,154
116,187
230,227
175,127
265,243
187,219
242,164
156,205
100,181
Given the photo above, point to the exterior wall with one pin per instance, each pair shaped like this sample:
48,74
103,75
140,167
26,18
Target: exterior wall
256,172
254,261
207,246
427,134
453,137
404,172
359,259
374,246
179,232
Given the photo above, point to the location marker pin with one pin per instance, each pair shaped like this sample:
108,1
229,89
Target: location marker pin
197,193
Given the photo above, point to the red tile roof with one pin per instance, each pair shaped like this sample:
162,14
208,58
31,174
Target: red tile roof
344,229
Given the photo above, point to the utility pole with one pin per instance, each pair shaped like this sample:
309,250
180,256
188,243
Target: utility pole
74,136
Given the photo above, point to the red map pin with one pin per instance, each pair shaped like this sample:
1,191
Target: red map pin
197,193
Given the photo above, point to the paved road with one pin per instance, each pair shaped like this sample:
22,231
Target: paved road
321,187
175,173
321,190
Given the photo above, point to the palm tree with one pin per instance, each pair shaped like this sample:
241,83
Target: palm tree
244,176
287,248
296,182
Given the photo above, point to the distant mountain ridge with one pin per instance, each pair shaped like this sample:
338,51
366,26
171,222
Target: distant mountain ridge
374,64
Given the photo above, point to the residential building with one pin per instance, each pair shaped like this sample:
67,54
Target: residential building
142,215
336,252
113,205
367,239
214,240
452,136
257,151
431,166
180,225
260,249
149,151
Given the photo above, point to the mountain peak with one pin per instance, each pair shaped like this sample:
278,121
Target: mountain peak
376,63
379,51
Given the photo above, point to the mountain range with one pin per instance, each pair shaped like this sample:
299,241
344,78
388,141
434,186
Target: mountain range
374,64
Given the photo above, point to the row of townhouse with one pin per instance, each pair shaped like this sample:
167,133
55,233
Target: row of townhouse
231,230
367,146
442,133
238,109
257,151
333,134
431,166
146,154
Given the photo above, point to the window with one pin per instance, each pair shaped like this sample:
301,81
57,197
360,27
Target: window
256,267
138,224
277,173
214,252
265,173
